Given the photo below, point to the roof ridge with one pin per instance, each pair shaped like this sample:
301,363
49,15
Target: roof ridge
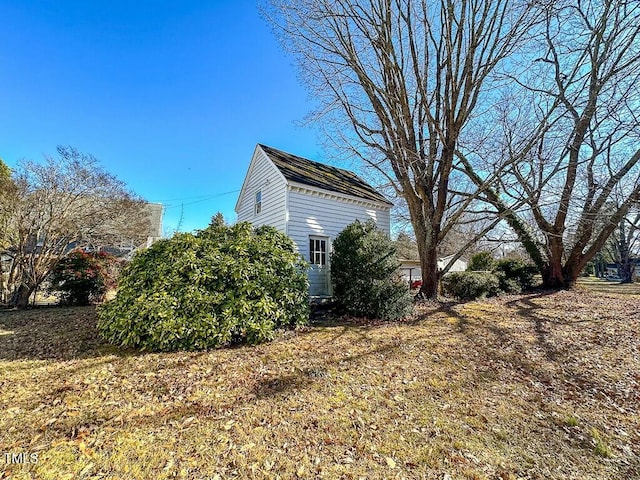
328,177
315,162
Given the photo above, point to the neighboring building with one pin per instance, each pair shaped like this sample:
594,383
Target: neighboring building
411,271
124,247
310,202
612,270
155,220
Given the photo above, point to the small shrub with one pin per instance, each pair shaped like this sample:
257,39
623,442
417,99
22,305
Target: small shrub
508,285
518,275
482,262
599,445
82,278
219,286
364,274
571,421
471,285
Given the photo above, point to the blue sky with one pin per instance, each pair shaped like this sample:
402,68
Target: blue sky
170,96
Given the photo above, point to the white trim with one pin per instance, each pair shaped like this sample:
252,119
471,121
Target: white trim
320,192
248,174
327,246
257,205
286,211
319,271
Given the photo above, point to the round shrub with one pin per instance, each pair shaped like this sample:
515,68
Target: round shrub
515,275
222,285
82,278
507,284
364,274
482,262
471,285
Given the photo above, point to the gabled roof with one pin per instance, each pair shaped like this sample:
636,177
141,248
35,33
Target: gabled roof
307,172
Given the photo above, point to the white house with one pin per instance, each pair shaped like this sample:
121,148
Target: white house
310,202
412,272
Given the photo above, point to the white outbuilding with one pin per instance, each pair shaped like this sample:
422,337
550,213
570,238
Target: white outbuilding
311,203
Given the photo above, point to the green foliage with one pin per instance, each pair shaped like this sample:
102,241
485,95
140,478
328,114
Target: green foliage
471,285
599,445
219,286
364,274
482,262
589,269
5,172
508,285
82,278
515,275
571,421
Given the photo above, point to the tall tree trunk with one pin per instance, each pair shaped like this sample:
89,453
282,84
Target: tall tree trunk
21,296
572,272
430,275
559,275
427,231
553,275
624,260
625,273
3,289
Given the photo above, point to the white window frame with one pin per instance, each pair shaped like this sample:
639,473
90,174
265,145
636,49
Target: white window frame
318,256
257,205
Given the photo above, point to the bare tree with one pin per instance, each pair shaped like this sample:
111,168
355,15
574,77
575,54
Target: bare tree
399,82
65,203
572,138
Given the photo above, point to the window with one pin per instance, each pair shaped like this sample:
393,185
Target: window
318,251
258,204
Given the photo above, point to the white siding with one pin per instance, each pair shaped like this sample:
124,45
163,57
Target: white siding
300,212
460,265
327,216
264,176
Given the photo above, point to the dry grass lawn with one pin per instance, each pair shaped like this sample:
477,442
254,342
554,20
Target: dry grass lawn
544,385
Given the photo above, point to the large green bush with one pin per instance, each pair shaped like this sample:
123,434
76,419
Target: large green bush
471,285
220,286
364,274
515,275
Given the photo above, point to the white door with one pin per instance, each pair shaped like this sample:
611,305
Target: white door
319,281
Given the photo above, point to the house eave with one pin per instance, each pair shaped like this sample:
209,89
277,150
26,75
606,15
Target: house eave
320,192
248,174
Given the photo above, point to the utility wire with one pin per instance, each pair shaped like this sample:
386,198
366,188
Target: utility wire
200,199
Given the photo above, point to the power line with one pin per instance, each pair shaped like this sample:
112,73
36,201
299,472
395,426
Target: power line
197,199
208,195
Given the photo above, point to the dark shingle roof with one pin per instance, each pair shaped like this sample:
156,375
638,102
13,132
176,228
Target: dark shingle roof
307,172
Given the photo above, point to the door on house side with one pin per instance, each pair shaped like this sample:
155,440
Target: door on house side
319,281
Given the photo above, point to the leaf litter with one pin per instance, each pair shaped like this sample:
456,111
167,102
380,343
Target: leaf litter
542,385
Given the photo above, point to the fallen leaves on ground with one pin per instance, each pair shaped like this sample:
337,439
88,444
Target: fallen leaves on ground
543,385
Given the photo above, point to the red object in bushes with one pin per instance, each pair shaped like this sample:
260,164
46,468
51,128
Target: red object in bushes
416,284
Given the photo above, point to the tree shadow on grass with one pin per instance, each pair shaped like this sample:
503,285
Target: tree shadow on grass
546,344
362,338
53,333
542,323
365,329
